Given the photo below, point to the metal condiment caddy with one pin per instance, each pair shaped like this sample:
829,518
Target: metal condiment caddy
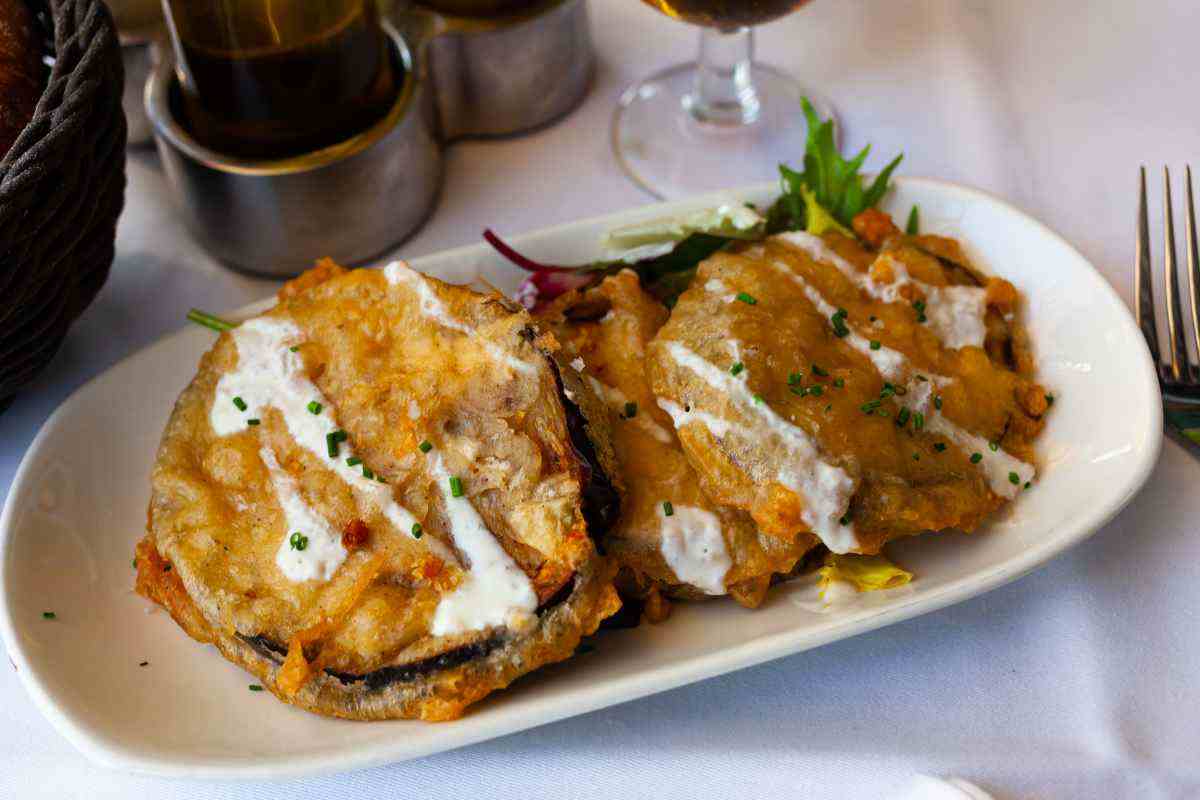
354,200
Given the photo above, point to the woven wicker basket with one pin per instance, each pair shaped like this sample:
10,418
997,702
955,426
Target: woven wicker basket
62,186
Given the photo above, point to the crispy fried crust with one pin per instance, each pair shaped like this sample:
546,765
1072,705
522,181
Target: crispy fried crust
604,332
358,645
909,480
440,694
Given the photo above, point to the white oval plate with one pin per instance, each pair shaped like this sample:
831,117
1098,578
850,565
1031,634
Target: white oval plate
78,505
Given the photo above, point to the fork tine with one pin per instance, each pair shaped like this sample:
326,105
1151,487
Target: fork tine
1178,363
1144,294
1193,259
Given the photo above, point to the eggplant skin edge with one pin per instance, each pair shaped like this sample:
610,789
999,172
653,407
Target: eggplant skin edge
437,694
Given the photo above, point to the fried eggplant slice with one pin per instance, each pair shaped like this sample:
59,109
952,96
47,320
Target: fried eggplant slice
858,395
670,537
377,498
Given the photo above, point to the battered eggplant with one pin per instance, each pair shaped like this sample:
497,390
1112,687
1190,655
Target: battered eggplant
857,394
670,537
379,499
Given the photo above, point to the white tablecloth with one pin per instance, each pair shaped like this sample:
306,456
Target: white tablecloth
1079,681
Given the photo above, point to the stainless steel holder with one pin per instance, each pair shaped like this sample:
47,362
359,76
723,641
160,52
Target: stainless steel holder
360,198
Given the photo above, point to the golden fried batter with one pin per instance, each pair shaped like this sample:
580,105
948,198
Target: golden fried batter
376,498
604,332
859,395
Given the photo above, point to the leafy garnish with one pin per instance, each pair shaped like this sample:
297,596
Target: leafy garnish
825,196
829,193
864,573
913,226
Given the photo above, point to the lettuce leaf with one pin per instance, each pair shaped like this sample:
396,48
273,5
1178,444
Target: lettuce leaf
864,573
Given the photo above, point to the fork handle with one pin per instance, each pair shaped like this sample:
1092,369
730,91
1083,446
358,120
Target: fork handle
1183,424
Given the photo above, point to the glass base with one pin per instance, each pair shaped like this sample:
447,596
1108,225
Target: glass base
666,149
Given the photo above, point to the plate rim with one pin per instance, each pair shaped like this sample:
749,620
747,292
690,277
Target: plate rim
94,745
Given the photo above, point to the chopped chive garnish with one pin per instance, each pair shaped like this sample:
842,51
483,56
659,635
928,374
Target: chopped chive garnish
922,318
747,299
838,383
937,402
845,519
887,391
367,472
841,312
417,530
916,456
919,305
875,344
794,379
902,417
918,420
239,404
295,348
799,391
976,458
380,479
993,446
914,221
298,541
209,320
314,407
254,687
456,489
939,447
425,446
839,326
167,568
737,368
49,615
870,406
758,398
1014,479
254,421
1049,400
816,370
332,440
668,509
816,391
630,410
134,563
353,461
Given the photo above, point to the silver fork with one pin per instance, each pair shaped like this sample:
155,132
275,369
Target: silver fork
1178,374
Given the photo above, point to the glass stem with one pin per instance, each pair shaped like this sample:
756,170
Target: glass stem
724,92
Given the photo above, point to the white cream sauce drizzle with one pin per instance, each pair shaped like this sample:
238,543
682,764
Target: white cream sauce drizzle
494,591
895,368
616,399
398,273
824,488
717,286
694,547
270,375
955,313
324,552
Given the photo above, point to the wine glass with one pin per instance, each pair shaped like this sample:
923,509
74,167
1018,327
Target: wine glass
721,121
